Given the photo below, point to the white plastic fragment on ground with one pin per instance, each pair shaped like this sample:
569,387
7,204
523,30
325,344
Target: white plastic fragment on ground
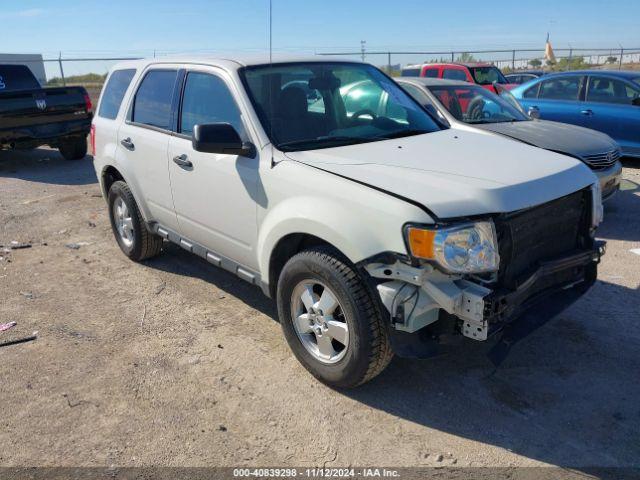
635,250
7,326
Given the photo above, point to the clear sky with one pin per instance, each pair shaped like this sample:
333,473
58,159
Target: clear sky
137,27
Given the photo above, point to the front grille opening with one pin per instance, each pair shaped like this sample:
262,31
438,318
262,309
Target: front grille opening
544,232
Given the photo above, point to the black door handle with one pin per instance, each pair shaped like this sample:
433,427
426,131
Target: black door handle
588,112
183,161
127,143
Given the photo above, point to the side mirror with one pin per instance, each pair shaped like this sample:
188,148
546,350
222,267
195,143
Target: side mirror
534,112
220,138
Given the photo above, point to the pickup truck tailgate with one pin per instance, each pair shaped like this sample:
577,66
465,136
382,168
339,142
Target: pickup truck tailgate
42,106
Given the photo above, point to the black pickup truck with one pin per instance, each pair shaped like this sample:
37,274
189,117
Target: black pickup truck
31,116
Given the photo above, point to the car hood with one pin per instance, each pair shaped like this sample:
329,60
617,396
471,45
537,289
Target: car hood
558,137
455,173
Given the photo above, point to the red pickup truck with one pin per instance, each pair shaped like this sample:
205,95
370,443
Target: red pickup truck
483,74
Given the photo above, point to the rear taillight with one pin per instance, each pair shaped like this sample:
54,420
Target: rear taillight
87,102
93,139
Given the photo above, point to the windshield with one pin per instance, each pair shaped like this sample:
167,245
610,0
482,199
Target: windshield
487,75
306,106
476,105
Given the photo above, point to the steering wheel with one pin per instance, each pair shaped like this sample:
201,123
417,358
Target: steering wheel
364,111
475,110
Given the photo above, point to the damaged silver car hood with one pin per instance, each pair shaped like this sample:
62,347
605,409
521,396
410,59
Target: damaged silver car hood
456,173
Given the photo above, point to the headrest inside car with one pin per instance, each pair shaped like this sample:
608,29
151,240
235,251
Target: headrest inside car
324,83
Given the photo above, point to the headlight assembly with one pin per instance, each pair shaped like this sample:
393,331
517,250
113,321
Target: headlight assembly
465,248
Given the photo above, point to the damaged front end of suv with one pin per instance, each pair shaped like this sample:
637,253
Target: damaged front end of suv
474,277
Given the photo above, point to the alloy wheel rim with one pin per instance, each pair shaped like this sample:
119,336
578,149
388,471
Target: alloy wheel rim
123,222
319,321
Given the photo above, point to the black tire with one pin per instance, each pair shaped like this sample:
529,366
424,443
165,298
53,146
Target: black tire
75,149
144,244
368,351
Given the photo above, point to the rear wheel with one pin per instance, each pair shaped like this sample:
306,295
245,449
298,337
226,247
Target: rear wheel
330,320
128,226
75,149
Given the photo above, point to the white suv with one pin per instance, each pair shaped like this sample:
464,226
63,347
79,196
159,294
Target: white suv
376,229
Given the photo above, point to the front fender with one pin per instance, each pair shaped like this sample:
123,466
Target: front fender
357,230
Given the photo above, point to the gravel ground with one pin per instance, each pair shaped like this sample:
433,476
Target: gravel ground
176,363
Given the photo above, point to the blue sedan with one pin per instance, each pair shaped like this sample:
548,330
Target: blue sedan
608,101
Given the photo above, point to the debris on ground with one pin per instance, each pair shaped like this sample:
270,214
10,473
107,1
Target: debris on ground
76,245
222,428
160,288
30,338
6,326
28,295
91,224
19,245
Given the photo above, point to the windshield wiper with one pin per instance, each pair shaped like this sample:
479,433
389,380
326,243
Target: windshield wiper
323,141
402,133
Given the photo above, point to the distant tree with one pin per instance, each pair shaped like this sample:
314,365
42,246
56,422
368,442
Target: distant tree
78,79
466,57
573,63
535,63
612,60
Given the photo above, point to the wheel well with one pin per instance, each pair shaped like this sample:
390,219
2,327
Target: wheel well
110,175
286,248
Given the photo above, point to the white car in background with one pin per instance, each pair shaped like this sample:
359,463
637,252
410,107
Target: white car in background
462,104
376,231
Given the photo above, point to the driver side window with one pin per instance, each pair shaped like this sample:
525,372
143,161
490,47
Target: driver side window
207,99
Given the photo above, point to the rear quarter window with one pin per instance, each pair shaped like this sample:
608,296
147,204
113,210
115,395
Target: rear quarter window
17,77
410,72
114,92
152,103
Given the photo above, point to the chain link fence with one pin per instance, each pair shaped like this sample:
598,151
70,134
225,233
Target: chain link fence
90,71
507,60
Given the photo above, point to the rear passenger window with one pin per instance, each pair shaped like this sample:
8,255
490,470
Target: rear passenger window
207,99
452,74
152,104
114,92
565,88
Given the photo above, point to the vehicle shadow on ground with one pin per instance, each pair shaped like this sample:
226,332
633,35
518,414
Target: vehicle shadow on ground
46,166
180,262
566,395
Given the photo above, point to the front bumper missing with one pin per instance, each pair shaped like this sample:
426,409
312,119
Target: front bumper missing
415,296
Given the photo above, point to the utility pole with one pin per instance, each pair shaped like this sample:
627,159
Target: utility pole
64,81
362,48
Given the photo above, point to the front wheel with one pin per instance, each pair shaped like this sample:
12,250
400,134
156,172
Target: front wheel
75,149
330,320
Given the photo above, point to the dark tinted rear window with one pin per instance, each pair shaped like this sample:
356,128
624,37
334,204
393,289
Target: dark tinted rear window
152,105
410,72
17,77
431,73
114,92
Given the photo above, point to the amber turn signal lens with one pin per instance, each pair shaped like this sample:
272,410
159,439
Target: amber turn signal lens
421,242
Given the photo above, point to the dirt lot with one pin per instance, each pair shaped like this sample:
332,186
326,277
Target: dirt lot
177,363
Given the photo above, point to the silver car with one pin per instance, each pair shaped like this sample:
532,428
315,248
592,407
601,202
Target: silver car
463,104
